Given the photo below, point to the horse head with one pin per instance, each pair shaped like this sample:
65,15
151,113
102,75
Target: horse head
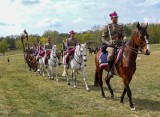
54,51
142,39
81,51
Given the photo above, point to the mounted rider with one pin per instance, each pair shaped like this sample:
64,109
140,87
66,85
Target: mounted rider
112,35
26,46
40,50
34,49
48,48
71,44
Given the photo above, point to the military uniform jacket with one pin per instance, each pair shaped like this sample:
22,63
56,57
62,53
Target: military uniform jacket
48,46
116,33
71,42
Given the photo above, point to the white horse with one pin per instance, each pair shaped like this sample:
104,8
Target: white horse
42,65
77,63
53,62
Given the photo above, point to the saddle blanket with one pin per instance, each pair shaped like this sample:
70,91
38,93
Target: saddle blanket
103,59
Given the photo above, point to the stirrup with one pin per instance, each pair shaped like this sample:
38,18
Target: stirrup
111,74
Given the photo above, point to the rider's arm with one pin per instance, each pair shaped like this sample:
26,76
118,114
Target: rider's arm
105,36
77,42
67,49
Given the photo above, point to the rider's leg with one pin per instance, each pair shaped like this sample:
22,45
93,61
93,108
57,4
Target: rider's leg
110,59
67,58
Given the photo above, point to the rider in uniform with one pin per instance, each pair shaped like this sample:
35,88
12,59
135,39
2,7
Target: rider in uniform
71,43
112,35
48,48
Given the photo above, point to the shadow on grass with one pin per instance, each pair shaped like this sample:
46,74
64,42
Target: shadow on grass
145,104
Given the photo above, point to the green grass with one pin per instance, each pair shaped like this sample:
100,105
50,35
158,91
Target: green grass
24,93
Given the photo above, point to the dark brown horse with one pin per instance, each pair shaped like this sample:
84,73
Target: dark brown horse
126,66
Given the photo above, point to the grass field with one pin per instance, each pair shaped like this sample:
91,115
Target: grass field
24,93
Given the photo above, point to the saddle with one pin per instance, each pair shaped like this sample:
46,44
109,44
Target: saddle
68,59
104,55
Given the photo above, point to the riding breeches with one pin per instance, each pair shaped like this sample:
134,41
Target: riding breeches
110,53
68,54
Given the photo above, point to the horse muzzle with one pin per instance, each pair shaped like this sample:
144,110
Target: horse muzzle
146,52
85,60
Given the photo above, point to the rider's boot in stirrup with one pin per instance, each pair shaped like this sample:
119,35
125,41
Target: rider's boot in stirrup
110,73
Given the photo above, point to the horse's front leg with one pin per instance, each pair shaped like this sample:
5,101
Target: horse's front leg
48,71
84,78
107,79
43,69
123,94
129,93
57,70
51,72
65,73
74,78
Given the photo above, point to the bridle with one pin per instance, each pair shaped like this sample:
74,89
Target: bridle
136,50
54,52
80,56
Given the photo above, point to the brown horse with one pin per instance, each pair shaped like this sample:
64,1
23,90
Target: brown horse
126,65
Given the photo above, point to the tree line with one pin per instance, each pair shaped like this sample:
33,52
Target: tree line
91,37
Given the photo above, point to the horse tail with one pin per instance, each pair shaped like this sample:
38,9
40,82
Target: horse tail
96,80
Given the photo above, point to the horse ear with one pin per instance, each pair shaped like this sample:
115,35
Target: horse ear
138,26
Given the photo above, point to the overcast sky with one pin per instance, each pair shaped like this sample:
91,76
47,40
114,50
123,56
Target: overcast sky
37,16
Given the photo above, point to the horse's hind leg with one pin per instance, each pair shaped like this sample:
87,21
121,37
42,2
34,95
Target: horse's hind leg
100,81
109,86
84,78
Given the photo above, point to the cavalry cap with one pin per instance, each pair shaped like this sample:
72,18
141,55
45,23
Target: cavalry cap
71,32
114,14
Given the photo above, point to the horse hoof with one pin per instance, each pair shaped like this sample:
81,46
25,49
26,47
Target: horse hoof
112,96
88,89
96,85
133,109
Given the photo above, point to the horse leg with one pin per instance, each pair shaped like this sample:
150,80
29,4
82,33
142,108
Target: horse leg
107,80
123,94
84,78
49,71
57,70
129,94
64,72
74,77
100,71
109,86
96,80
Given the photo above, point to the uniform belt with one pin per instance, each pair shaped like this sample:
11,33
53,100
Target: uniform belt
71,47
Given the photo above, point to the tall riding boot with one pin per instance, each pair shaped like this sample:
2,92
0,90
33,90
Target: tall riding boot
110,66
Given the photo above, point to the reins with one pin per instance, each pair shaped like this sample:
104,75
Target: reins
135,50
80,63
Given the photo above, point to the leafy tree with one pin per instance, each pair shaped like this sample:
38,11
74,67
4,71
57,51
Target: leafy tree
43,40
18,44
3,46
11,42
86,37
